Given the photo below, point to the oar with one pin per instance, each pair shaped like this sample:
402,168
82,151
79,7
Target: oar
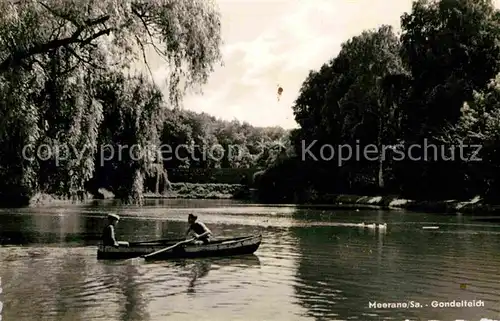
147,256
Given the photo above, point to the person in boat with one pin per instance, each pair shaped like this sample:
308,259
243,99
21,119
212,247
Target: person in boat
199,230
108,235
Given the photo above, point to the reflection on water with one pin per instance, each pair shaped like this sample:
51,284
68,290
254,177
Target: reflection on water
312,265
346,272
134,307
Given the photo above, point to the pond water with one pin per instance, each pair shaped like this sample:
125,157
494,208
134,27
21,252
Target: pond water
312,265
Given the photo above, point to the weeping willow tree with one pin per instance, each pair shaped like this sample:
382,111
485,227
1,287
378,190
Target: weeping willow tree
71,80
130,132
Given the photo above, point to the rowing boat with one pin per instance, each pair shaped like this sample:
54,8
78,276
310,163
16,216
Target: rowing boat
216,247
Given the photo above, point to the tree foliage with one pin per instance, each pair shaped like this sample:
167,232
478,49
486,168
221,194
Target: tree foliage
349,100
451,48
434,84
67,67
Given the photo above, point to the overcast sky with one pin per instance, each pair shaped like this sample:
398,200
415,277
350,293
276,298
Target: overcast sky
271,42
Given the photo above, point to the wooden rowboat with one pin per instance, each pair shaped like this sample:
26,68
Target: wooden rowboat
217,247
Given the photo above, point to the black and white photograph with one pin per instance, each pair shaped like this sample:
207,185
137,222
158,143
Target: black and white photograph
249,160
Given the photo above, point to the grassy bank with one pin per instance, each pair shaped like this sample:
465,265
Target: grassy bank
43,199
236,191
202,191
178,191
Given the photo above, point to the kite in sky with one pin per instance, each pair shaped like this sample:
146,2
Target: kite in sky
280,91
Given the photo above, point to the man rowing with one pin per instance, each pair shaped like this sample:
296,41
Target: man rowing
200,230
108,235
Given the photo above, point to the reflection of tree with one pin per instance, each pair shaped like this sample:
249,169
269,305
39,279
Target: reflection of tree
135,307
38,226
16,229
130,229
71,227
62,226
340,270
317,269
92,226
44,287
67,273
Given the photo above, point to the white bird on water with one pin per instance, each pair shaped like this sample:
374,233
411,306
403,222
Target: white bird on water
373,225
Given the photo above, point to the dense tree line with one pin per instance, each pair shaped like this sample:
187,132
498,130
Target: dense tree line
436,83
198,148
74,78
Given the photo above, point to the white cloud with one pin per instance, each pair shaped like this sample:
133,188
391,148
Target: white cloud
278,42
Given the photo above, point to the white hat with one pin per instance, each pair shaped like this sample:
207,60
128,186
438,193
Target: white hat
114,216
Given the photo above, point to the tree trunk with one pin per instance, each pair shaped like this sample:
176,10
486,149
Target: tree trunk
381,154
157,189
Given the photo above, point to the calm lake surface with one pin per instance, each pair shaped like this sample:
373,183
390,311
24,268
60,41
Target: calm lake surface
312,265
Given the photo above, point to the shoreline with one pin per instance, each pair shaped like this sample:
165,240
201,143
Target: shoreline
214,191
347,201
470,207
193,191
201,191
